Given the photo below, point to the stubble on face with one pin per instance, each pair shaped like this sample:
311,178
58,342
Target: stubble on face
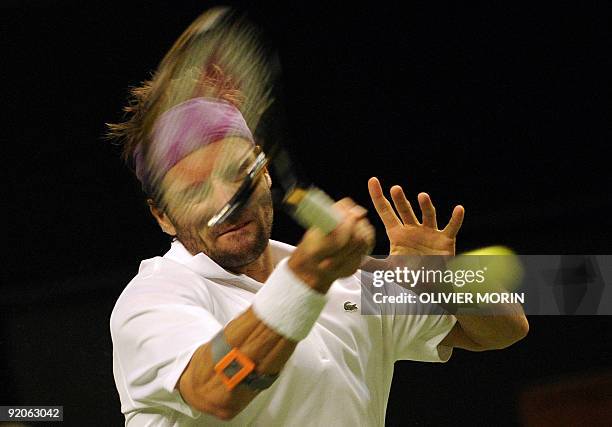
235,249
197,186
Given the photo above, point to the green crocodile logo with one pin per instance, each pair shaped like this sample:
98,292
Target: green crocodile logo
349,306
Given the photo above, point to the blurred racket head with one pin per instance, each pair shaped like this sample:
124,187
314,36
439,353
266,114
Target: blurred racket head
222,55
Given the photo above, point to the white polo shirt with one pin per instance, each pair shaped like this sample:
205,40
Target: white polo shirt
339,375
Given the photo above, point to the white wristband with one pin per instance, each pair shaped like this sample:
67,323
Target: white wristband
288,305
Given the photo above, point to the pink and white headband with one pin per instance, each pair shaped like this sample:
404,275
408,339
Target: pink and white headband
183,129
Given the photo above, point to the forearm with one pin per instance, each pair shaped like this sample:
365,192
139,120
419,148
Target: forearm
203,389
495,328
283,312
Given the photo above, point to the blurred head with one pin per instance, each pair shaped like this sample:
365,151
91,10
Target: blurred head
198,185
186,140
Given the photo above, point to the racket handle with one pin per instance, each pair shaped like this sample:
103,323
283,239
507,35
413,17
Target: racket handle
312,207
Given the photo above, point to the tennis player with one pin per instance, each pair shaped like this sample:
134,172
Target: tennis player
230,327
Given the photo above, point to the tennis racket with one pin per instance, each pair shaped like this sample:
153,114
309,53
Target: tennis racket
223,55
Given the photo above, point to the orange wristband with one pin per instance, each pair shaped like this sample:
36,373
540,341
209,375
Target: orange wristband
234,367
230,360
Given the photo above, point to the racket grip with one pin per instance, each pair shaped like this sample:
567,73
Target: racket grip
312,207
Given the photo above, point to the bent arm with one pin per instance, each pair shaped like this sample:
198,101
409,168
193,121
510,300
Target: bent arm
200,385
288,312
203,389
486,332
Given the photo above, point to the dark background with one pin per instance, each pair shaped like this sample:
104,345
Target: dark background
502,107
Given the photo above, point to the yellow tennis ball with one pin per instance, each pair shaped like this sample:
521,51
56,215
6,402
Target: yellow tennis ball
491,250
499,266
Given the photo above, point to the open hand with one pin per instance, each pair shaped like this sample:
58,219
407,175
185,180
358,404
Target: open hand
408,236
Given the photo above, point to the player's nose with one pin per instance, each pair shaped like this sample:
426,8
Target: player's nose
223,191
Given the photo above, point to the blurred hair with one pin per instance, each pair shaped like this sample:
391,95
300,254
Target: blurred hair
171,84
140,117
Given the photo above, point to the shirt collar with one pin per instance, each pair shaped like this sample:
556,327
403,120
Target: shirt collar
206,267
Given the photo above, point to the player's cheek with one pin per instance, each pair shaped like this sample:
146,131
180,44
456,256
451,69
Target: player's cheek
195,216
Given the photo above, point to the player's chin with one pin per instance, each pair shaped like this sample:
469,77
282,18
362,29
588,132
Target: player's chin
239,250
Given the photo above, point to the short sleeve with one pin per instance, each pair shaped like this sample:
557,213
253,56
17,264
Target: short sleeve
418,337
418,329
154,337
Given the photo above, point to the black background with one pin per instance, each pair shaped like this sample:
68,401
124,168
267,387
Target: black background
502,107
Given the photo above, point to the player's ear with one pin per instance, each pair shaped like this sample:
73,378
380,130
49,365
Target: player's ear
162,218
268,177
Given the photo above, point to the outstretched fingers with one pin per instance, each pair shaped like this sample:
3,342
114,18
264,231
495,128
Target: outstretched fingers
406,214
381,204
453,226
403,206
428,210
